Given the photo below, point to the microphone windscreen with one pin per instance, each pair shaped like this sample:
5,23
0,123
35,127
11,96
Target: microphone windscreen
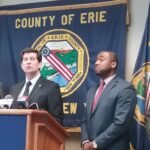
5,106
6,102
8,96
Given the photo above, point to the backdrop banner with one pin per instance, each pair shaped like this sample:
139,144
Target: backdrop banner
69,37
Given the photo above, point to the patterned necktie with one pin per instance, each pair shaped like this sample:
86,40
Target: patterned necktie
98,94
26,91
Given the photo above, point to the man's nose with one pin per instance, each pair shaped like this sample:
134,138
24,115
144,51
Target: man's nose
28,61
97,62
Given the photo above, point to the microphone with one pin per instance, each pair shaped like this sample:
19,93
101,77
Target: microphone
8,96
22,102
5,106
33,106
6,102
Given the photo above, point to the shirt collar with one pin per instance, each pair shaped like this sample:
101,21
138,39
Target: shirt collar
33,81
107,80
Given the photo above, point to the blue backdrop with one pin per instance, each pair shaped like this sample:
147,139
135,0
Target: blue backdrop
71,34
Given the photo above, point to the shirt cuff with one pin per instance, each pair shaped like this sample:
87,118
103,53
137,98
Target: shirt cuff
94,145
86,141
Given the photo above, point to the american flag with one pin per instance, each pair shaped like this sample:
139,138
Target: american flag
51,57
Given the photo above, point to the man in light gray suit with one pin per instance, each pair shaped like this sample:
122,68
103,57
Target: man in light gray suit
106,127
148,124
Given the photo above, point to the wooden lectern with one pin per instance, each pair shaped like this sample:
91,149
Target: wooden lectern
30,130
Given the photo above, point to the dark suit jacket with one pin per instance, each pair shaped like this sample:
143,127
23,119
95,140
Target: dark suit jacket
148,124
3,91
46,94
109,124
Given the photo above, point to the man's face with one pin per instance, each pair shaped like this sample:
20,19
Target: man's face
30,64
103,64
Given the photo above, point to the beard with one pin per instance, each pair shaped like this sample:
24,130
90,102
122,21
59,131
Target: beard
104,73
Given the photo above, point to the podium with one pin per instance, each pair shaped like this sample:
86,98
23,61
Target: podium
30,130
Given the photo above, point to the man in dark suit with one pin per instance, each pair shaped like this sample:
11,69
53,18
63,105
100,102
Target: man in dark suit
106,126
46,94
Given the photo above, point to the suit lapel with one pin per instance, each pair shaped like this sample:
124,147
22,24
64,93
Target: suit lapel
107,89
18,90
36,89
92,94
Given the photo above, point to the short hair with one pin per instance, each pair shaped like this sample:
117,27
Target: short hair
113,56
31,50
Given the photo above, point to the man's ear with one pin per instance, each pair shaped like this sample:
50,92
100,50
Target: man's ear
40,65
113,64
21,66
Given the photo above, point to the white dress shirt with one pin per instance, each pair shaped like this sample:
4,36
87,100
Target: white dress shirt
33,81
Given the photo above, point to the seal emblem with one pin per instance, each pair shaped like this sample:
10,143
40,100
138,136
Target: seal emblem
65,59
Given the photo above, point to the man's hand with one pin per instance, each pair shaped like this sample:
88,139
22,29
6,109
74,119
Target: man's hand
88,146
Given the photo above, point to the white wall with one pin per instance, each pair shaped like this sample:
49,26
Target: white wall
138,12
